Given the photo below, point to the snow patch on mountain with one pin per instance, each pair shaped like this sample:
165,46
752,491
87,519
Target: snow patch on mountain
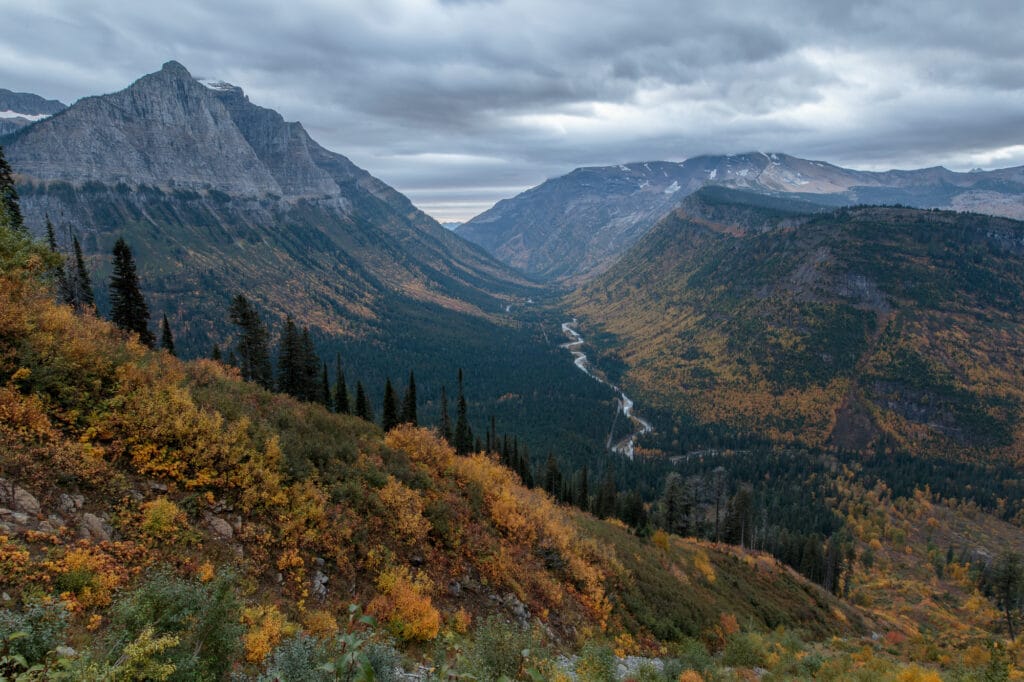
27,117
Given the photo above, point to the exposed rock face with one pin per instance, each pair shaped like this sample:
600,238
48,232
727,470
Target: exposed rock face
574,226
18,499
217,195
94,528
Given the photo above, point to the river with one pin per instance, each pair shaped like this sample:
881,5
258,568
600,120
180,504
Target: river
626,446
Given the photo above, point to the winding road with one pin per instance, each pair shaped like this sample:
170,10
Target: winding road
626,446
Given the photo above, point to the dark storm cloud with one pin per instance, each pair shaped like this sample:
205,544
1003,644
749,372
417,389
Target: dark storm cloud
461,102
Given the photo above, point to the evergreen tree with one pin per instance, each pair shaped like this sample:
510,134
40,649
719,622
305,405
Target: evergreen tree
289,364
309,367
10,209
581,494
409,403
253,353
215,353
340,389
604,503
552,477
166,337
389,413
128,308
463,434
446,422
59,272
79,282
363,410
325,388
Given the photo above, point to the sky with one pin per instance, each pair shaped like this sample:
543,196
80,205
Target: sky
460,103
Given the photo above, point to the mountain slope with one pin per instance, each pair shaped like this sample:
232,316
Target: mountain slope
19,109
861,328
156,462
574,226
218,196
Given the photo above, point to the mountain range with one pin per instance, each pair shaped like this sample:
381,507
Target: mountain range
573,227
218,196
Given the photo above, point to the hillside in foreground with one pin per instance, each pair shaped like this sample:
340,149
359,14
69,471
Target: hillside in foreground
148,501
868,329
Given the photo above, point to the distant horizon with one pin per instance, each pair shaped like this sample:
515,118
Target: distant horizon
461,103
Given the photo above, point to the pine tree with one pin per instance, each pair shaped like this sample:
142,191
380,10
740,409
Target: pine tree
288,364
253,356
128,308
446,422
581,495
10,209
604,503
166,337
389,413
340,389
363,410
463,434
79,283
215,353
58,273
309,368
552,477
409,403
325,388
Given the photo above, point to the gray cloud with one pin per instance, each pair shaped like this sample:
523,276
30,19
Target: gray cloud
459,103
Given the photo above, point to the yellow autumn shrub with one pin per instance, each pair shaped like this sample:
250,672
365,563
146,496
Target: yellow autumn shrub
162,520
405,510
404,603
266,626
422,445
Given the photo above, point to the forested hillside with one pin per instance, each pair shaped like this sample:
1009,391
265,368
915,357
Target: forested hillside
863,329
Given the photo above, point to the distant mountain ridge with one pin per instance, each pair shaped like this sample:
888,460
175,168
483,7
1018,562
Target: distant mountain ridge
574,226
19,109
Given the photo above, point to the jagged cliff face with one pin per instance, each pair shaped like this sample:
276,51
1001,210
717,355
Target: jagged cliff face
219,195
573,227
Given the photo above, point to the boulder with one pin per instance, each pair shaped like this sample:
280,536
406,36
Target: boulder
94,528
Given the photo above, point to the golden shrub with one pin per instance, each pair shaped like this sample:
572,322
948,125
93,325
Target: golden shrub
404,603
422,445
320,623
405,509
266,627
163,520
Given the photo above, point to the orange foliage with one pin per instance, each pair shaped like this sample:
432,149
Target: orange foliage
266,627
404,603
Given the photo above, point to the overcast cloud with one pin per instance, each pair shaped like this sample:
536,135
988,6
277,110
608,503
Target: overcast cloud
459,103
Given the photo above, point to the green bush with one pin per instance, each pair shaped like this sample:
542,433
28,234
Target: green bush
205,618
691,654
596,663
496,650
298,659
744,650
42,625
385,660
